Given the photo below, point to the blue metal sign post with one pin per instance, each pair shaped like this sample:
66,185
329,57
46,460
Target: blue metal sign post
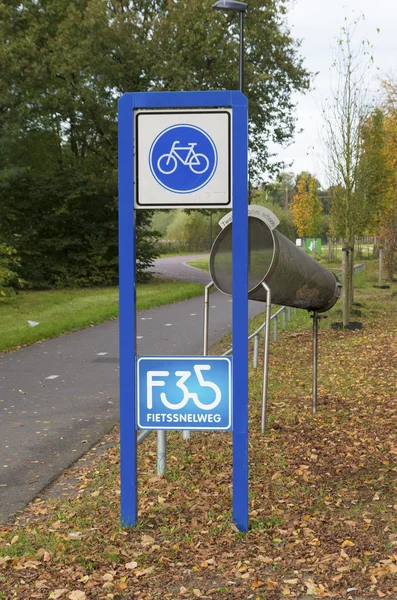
150,178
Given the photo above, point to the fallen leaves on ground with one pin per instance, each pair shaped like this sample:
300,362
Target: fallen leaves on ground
323,512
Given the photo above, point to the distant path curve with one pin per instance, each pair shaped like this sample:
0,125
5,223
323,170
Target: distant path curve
175,267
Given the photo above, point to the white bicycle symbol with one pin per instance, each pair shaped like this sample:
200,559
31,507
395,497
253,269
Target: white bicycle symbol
187,395
198,163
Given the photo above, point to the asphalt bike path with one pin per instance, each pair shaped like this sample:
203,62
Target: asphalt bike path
60,397
176,267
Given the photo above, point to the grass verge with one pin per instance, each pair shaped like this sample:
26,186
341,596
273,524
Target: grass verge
62,311
185,253
199,263
202,263
322,508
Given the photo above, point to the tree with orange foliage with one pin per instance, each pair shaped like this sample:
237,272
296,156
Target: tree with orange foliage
306,207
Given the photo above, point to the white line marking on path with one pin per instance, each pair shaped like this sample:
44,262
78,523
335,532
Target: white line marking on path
193,314
146,318
214,306
52,376
167,324
139,337
101,353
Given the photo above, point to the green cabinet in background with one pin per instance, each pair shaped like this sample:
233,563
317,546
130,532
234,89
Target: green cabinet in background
313,246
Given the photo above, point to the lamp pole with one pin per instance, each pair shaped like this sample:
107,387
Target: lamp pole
240,254
241,62
241,8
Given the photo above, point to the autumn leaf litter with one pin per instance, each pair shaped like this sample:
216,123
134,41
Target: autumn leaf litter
323,508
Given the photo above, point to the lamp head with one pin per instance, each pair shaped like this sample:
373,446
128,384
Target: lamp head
232,5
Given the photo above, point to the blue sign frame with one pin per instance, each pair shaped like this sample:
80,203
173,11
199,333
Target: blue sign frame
128,444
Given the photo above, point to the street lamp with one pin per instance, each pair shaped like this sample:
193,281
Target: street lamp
240,7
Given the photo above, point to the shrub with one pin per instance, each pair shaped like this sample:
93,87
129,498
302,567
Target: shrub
8,277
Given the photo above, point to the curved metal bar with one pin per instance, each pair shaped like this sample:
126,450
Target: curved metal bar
315,318
266,357
257,331
275,329
186,432
280,310
143,435
206,316
274,316
161,452
256,352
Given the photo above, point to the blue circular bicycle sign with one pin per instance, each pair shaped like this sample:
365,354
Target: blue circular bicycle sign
183,158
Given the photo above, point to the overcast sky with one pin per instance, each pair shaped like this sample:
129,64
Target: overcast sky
317,23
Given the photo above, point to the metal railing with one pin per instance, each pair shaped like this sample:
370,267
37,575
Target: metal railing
143,435
285,312
255,336
356,268
359,268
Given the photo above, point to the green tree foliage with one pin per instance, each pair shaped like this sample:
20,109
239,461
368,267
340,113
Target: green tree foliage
58,139
192,229
280,190
378,168
197,48
374,172
162,219
286,226
63,65
8,275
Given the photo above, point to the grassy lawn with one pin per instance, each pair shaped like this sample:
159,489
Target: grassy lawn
62,311
200,263
366,252
322,505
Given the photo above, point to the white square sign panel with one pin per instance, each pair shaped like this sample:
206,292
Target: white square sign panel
183,158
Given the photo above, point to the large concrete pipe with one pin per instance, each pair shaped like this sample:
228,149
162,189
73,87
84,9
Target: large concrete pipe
295,279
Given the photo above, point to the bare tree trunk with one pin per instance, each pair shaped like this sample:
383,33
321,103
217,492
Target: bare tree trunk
375,250
347,280
351,274
344,121
345,287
